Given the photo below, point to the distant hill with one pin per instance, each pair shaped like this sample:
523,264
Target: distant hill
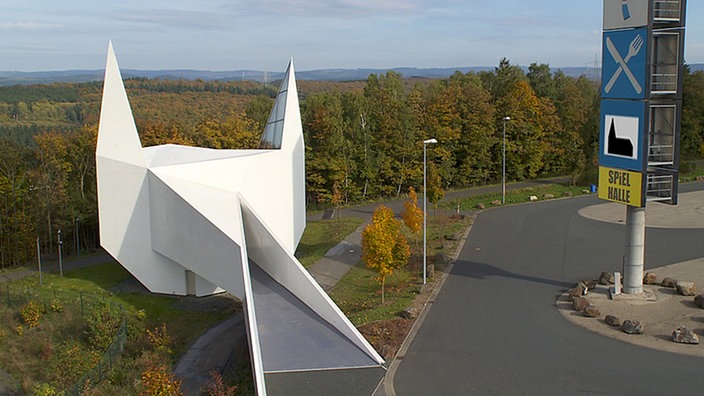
8,78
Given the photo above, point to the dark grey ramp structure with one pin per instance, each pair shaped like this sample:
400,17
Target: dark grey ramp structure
303,354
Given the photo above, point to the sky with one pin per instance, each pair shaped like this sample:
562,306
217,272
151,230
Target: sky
217,35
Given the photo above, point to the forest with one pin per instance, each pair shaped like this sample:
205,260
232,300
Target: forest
364,139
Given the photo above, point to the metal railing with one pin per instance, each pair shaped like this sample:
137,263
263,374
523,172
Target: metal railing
666,10
660,187
661,155
664,83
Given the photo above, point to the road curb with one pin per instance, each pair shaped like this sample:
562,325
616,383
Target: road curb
386,386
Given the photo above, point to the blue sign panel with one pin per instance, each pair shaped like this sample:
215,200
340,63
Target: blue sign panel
625,64
622,141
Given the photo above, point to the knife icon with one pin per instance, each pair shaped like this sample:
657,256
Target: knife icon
619,59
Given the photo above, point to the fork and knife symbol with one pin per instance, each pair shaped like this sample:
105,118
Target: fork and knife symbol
633,50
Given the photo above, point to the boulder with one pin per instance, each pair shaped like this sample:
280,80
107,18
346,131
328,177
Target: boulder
650,279
586,283
686,288
568,194
409,313
532,198
548,196
668,282
430,271
699,300
591,311
481,206
576,292
496,202
683,335
632,327
700,178
612,321
441,259
606,278
579,303
330,214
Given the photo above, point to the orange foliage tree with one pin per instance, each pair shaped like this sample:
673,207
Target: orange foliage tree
384,248
412,214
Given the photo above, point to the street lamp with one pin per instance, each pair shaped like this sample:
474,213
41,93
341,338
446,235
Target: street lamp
61,268
78,245
503,168
425,194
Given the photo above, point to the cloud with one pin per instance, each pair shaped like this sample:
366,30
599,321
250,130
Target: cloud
196,20
341,8
25,25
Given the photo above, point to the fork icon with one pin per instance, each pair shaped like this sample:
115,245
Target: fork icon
633,50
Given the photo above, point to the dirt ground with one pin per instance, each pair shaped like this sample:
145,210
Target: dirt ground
387,336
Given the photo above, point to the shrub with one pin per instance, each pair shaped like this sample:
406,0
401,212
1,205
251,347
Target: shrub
44,390
30,313
103,325
157,381
70,361
160,339
57,305
216,386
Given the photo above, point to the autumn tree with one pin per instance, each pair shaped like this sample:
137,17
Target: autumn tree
384,248
435,191
412,214
16,224
532,120
50,181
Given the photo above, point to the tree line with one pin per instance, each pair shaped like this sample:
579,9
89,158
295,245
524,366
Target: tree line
364,140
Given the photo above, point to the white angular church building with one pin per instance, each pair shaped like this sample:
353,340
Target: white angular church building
197,221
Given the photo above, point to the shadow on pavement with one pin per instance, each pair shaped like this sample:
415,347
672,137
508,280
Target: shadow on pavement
483,271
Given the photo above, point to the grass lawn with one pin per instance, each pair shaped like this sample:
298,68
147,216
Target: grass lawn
321,236
515,196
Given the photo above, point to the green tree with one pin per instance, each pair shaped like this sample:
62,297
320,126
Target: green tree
393,137
692,140
328,162
504,78
541,80
384,248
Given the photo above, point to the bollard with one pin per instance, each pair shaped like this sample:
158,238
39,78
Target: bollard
617,283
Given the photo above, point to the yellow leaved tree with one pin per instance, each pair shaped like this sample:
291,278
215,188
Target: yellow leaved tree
412,214
384,248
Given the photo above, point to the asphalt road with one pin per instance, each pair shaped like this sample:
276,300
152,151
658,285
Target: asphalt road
494,327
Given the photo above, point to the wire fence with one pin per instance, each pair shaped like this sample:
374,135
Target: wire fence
76,302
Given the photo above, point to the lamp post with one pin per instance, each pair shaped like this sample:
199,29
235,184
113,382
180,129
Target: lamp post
78,244
61,268
39,261
425,194
503,168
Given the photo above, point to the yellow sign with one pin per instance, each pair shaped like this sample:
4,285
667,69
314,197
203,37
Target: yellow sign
621,186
